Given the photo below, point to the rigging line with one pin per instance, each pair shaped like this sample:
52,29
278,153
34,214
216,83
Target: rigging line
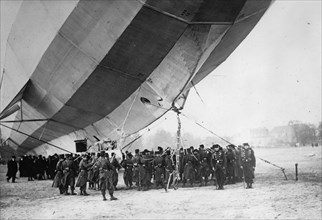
197,92
207,129
128,112
266,161
43,130
35,138
283,169
26,120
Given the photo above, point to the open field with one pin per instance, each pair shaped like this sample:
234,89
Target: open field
272,197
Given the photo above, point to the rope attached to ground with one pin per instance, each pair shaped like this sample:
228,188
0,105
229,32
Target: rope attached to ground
266,161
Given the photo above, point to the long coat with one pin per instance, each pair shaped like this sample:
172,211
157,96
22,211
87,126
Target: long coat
12,168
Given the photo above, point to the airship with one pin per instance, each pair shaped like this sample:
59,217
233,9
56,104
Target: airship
88,70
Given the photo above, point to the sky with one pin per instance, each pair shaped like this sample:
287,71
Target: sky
274,76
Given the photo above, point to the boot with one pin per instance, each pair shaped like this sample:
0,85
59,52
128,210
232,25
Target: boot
73,193
112,197
247,187
250,185
81,193
66,193
103,194
85,193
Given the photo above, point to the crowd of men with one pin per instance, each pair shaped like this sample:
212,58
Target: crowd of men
144,170
33,167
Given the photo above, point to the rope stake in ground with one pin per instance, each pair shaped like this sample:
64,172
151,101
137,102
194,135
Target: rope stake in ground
283,169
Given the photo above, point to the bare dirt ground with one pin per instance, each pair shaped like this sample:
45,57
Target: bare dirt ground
272,197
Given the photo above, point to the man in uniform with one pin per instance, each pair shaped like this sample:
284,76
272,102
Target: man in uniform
219,165
239,169
197,165
12,169
136,162
59,175
159,169
148,158
231,164
117,166
69,171
84,166
249,163
169,167
189,162
127,163
105,176
204,168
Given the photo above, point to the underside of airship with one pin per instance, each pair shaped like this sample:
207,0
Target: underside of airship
109,68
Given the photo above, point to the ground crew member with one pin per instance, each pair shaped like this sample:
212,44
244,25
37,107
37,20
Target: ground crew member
105,176
128,170
69,172
159,170
12,169
84,166
59,175
219,165
188,172
249,163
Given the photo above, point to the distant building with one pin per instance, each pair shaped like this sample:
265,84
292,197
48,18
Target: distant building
283,135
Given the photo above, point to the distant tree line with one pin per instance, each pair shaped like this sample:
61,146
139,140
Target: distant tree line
306,134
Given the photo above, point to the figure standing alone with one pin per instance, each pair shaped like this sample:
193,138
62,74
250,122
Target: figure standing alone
12,169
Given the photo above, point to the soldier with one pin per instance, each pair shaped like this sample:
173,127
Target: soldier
239,166
205,165
197,165
40,168
29,165
145,170
219,165
169,167
128,170
117,166
84,166
12,169
136,162
249,163
189,161
59,175
93,172
231,161
159,169
22,166
105,176
69,171
149,167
